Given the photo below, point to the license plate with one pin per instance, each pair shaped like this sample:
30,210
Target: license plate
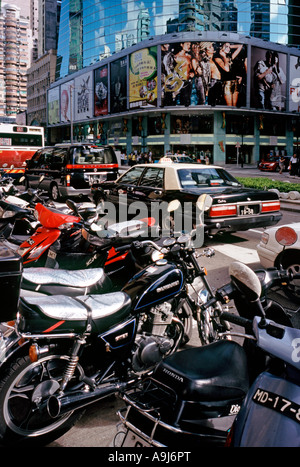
132,440
95,179
248,210
278,403
52,254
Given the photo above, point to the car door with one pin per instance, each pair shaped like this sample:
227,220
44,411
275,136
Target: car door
149,191
38,166
122,192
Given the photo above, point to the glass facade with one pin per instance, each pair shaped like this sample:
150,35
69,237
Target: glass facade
216,78
91,29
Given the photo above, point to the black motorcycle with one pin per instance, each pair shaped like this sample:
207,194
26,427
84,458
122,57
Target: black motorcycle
62,353
192,397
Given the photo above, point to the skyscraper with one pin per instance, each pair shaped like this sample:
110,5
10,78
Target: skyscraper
189,75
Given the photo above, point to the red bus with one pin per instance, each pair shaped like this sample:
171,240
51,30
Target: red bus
18,143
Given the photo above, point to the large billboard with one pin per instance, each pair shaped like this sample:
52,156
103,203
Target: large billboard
53,106
294,88
268,79
118,85
83,97
66,101
101,91
143,78
203,73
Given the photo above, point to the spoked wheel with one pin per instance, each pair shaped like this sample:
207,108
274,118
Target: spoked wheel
23,390
210,326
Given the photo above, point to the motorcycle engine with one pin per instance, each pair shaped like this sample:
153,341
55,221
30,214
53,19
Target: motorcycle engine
152,343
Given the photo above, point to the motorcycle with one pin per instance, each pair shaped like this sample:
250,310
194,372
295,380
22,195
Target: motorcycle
269,416
62,353
193,397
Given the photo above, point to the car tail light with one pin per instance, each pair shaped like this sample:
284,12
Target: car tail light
267,206
68,179
221,211
286,236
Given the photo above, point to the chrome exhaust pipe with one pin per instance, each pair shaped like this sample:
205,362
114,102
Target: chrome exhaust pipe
57,406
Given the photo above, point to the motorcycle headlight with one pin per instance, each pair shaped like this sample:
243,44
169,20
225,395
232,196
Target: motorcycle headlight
6,214
156,255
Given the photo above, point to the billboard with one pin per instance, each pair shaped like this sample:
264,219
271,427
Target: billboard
203,73
66,94
268,79
101,91
118,85
53,106
294,88
143,78
83,96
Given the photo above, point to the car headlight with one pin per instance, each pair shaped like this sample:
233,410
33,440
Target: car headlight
286,236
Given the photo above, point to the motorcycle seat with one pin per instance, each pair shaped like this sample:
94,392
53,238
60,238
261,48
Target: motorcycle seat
214,372
55,281
104,308
74,278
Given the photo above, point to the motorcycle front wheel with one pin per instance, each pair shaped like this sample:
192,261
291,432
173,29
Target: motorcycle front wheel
23,389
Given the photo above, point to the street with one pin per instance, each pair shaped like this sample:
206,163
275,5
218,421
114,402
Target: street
97,426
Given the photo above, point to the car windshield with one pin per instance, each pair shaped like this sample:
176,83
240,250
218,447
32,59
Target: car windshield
206,177
185,159
93,155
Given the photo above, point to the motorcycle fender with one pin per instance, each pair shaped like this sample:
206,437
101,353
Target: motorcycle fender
10,343
270,414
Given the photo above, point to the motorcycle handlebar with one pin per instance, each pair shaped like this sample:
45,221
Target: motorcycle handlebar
236,319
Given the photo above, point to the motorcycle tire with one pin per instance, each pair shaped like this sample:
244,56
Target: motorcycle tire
23,387
292,290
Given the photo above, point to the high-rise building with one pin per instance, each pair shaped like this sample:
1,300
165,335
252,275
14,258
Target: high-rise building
219,77
41,73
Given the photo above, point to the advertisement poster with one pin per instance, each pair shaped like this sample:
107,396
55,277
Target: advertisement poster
53,106
66,94
118,85
83,97
204,73
268,85
143,78
101,91
294,98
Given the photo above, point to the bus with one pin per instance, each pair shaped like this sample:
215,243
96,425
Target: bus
17,144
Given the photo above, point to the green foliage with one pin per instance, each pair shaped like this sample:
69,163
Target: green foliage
264,183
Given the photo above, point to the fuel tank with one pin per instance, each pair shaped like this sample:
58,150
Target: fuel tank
157,282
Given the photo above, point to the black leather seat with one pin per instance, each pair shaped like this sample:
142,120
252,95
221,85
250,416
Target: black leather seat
214,372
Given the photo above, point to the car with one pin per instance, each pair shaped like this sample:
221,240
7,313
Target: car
272,164
233,207
68,170
179,158
279,246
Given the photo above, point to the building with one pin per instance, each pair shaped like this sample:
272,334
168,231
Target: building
181,76
42,71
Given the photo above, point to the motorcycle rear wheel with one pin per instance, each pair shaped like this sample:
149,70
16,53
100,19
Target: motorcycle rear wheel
23,388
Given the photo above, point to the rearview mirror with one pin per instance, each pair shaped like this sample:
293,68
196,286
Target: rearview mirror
173,205
204,202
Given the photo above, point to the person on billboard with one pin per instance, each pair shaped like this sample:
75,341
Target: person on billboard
264,80
201,69
224,60
279,78
185,71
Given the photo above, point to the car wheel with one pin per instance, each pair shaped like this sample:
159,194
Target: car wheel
54,192
292,263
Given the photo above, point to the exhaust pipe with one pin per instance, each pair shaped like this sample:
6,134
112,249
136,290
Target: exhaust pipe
57,406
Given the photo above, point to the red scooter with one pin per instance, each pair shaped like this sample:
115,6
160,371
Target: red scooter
68,241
